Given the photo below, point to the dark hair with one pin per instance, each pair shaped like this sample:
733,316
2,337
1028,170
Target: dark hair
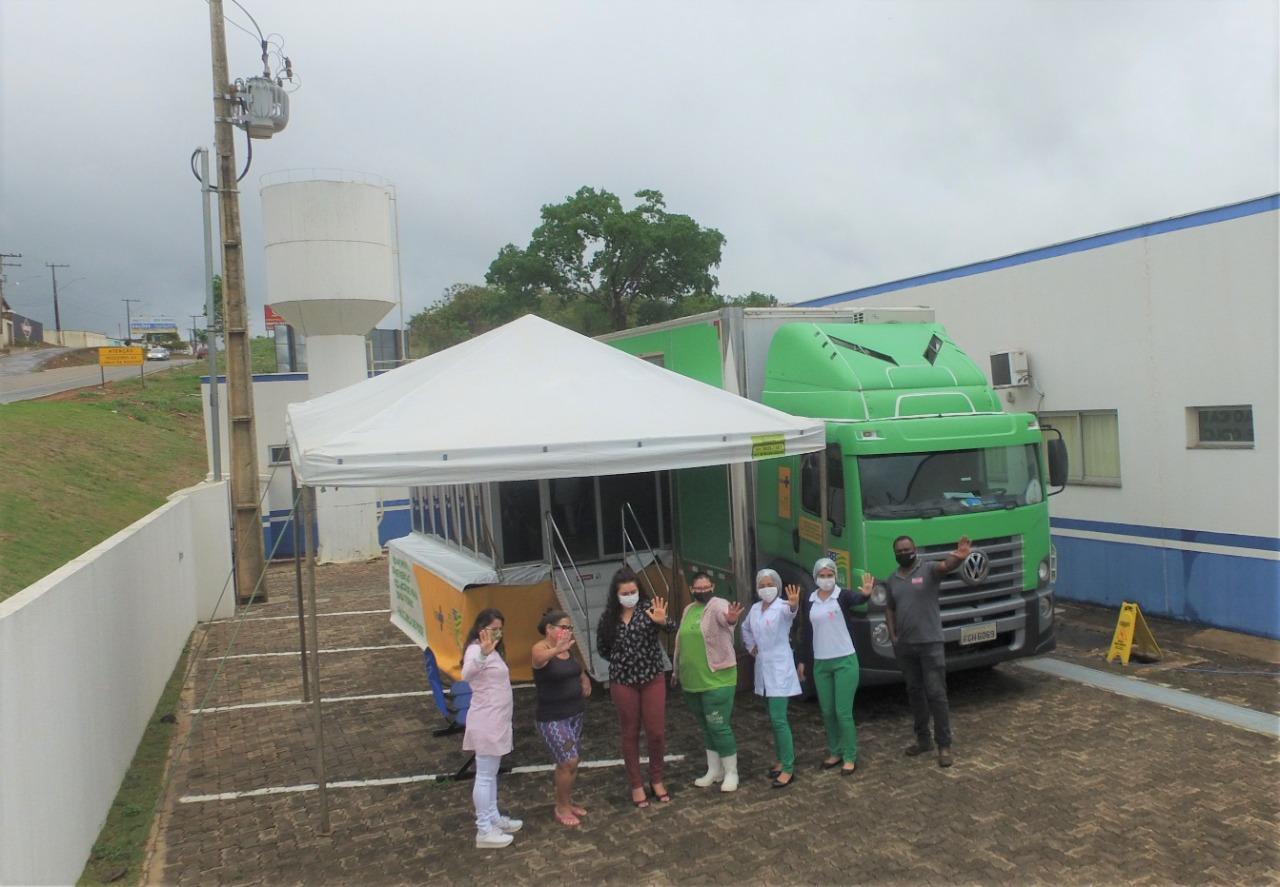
701,574
549,617
607,629
483,618
900,538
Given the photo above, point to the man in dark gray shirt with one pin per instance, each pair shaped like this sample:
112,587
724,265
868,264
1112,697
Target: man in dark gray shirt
914,618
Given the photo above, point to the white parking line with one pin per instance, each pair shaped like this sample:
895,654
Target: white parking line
324,700
294,617
296,653
394,780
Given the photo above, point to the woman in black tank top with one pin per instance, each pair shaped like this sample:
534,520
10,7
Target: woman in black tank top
562,688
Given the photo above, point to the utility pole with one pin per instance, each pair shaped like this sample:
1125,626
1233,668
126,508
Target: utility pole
128,321
247,518
57,317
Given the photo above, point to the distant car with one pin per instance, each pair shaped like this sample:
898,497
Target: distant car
156,352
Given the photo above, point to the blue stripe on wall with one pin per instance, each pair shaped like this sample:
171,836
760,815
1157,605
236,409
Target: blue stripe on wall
1235,593
1269,203
1204,537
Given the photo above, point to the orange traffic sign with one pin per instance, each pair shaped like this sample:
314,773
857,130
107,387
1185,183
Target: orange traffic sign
120,357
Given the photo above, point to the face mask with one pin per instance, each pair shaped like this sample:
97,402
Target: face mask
768,594
905,559
702,596
826,583
629,600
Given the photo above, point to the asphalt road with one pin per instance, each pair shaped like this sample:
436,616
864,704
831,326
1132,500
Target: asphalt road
18,382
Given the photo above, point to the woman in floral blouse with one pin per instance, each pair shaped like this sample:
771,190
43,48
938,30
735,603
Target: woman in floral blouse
628,637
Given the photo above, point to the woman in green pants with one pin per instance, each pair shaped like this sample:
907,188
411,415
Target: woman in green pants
825,636
707,667
766,633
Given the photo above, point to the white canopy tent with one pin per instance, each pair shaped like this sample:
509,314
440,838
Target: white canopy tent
530,400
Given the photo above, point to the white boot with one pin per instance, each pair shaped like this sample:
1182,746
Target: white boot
714,773
730,764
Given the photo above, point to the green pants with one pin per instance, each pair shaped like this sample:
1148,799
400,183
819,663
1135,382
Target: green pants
712,708
786,750
837,682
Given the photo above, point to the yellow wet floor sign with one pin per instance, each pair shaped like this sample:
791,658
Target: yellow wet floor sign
1133,636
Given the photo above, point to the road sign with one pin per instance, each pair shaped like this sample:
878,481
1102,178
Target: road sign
273,320
1133,638
120,357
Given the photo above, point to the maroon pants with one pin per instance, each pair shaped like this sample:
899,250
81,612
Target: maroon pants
642,704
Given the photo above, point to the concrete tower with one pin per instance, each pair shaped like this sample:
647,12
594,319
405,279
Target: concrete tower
331,275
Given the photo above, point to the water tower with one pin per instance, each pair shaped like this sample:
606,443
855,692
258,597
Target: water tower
331,275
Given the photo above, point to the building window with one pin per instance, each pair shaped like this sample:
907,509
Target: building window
1220,427
1093,445
279,455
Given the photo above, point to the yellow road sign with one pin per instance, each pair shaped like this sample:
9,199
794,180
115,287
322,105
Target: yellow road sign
1133,637
120,357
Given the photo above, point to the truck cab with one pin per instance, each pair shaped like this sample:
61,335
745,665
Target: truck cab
918,444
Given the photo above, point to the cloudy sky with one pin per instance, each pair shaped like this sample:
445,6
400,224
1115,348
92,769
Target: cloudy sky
835,144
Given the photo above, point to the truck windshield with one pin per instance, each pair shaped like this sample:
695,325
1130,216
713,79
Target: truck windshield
906,485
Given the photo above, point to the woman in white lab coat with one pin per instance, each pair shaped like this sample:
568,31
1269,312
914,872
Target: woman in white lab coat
766,634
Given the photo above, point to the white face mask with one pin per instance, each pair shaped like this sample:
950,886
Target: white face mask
767,593
826,583
629,600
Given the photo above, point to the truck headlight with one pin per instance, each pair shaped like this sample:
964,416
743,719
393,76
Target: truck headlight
880,634
1043,572
878,597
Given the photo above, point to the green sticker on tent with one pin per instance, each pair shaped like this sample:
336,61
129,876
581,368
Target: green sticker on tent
765,445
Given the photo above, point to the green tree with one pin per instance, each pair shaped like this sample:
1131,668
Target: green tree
465,310
632,264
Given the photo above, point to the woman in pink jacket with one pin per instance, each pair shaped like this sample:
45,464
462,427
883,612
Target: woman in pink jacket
488,724
707,667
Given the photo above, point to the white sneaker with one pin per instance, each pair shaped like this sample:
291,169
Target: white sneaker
493,840
508,825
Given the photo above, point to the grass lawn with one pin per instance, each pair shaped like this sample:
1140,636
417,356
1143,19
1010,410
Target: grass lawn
86,464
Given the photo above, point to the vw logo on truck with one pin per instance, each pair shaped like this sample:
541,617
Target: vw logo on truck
975,567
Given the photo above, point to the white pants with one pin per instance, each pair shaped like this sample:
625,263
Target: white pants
484,794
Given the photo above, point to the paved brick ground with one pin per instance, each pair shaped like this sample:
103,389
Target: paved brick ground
1054,782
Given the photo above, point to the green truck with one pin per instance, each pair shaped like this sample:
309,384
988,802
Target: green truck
918,444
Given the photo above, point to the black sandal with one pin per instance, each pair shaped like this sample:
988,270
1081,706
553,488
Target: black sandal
830,765
664,798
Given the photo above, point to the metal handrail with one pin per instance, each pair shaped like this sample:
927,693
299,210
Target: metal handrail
574,582
649,549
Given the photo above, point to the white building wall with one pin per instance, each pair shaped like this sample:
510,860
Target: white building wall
84,656
1149,327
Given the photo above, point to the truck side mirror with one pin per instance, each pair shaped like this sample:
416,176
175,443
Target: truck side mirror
1057,454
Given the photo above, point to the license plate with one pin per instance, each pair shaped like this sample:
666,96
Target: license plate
977,634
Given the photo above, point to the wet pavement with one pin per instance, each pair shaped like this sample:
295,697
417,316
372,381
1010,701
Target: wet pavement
1054,782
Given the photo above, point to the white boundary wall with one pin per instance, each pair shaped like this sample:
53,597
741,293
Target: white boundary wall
84,656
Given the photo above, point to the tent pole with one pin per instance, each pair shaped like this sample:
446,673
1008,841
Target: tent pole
308,518
294,519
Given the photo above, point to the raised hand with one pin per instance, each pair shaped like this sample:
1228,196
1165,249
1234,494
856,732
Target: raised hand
658,610
566,643
963,547
488,641
868,583
793,596
735,610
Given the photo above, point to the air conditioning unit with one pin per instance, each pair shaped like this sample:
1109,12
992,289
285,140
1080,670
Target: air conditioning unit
1009,369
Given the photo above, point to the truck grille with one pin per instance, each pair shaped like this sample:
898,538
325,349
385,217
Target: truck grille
1004,581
